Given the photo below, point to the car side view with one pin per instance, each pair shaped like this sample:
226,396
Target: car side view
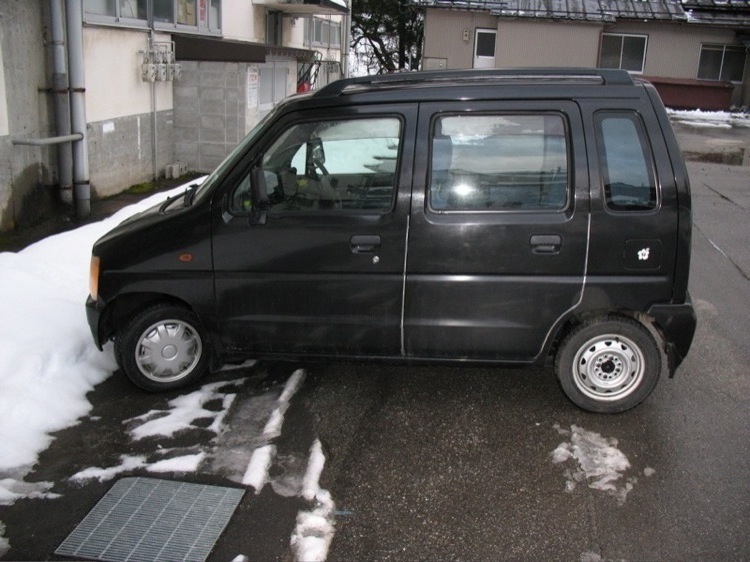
507,217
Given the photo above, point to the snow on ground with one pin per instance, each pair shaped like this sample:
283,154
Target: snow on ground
710,119
48,361
314,528
595,461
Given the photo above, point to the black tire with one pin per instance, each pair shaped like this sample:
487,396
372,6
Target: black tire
163,348
608,365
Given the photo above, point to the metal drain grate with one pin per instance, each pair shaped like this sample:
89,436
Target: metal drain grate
146,519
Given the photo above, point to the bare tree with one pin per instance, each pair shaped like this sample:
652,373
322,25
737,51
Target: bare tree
387,34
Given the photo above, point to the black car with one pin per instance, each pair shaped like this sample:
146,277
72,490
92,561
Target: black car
502,216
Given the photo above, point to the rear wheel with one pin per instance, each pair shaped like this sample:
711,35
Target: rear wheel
163,348
608,365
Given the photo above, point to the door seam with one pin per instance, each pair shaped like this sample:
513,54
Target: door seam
403,287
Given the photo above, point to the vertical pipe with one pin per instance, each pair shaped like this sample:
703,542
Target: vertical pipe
154,130
61,100
81,184
345,48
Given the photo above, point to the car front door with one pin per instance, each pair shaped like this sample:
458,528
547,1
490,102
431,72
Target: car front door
313,262
499,229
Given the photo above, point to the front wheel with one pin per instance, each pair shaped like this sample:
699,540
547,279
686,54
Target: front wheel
608,365
163,348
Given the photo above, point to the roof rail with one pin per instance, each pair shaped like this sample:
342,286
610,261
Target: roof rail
601,75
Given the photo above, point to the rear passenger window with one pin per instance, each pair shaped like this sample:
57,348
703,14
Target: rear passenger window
499,163
626,164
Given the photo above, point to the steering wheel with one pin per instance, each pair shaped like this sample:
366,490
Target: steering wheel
320,166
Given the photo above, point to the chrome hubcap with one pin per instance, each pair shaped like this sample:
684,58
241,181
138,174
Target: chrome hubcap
168,351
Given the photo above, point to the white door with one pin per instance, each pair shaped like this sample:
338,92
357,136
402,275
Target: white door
484,48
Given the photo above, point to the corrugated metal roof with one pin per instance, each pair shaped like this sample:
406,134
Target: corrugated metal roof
721,12
718,12
598,10
717,4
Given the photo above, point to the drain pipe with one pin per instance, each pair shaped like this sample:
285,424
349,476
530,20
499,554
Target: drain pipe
154,130
61,101
81,184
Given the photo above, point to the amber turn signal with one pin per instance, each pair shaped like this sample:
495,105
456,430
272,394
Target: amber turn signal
94,278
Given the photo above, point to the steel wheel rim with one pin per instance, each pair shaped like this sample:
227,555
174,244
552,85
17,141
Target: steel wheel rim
608,367
168,350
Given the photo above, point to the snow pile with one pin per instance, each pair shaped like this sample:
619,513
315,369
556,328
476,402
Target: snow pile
598,462
710,119
48,361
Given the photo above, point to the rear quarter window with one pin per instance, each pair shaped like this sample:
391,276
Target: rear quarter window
626,163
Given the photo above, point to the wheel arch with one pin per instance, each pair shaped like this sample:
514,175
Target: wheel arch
571,323
119,312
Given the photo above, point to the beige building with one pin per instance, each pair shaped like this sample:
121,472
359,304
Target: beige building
98,95
694,51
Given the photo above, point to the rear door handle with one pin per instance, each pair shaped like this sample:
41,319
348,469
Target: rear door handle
546,243
364,243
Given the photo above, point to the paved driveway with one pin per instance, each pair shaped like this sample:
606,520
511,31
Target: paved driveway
464,463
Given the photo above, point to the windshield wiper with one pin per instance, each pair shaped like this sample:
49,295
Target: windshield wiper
169,200
188,195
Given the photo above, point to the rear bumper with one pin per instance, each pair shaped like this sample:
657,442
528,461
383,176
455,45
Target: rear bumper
677,322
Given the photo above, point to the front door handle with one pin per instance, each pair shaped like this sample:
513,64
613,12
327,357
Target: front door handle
546,243
364,243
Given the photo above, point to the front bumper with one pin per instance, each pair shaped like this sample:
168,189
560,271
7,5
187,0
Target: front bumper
94,314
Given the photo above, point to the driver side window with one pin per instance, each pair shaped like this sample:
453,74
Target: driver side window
335,165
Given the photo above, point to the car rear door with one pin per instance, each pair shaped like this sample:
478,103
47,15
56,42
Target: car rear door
499,228
635,210
318,269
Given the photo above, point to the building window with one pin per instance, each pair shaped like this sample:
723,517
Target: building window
322,33
201,16
721,62
626,52
134,9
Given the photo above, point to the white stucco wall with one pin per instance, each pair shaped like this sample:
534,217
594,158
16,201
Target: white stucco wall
112,67
242,21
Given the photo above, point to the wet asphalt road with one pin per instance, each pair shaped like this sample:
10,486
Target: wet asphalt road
437,463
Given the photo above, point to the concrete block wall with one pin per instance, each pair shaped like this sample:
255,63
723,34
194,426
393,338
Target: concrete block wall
27,173
121,151
209,112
